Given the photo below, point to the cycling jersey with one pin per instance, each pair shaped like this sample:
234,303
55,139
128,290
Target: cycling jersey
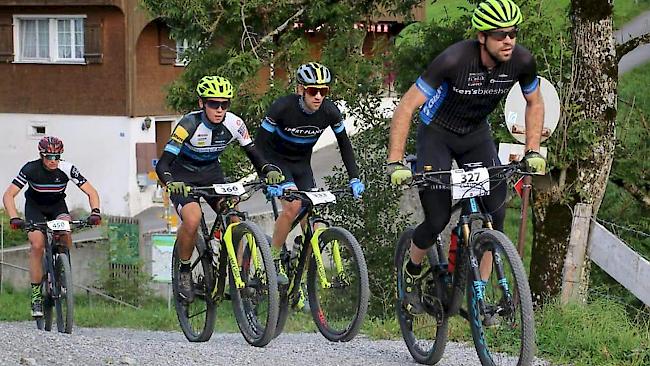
47,186
461,92
192,153
289,131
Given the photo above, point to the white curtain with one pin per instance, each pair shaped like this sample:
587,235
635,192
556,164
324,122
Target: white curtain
34,38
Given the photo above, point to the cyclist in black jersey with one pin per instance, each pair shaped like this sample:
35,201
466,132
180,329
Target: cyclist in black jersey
455,94
191,157
47,179
287,136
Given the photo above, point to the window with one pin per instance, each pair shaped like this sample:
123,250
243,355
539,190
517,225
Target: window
181,47
49,39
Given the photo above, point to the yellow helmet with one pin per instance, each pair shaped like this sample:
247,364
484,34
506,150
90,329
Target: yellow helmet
214,87
495,14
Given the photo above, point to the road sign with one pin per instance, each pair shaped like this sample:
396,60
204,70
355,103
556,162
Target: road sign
515,110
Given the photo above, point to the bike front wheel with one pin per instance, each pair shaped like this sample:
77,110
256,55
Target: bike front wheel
197,317
64,295
504,333
338,296
425,334
255,304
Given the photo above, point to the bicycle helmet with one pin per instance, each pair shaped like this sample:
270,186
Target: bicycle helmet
214,87
496,14
50,145
313,73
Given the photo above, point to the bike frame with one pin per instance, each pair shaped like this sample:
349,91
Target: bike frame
227,252
311,236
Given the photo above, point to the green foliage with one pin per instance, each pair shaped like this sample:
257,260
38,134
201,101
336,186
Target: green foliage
11,237
127,282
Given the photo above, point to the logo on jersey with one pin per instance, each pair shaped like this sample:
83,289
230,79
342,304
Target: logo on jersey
180,134
475,78
242,130
304,131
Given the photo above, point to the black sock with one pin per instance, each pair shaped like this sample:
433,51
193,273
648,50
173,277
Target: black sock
36,291
412,268
186,266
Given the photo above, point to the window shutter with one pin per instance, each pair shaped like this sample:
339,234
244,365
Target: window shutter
93,42
6,41
166,46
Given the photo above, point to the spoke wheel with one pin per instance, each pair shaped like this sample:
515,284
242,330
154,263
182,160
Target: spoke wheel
196,318
505,333
425,334
339,310
256,304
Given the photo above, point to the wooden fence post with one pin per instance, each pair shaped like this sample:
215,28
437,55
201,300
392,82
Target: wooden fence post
574,262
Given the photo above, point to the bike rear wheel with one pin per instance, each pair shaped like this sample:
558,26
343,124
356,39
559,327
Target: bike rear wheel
338,310
505,333
196,318
64,302
256,304
425,334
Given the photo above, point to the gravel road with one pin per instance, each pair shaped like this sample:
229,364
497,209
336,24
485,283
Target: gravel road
22,344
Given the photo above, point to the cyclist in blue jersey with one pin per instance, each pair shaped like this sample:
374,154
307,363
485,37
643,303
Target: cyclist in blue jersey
455,94
287,137
191,157
47,179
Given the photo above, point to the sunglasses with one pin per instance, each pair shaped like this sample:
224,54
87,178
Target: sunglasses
51,156
501,35
313,90
215,104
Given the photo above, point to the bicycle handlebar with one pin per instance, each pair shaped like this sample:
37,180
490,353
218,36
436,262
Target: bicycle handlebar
43,225
428,178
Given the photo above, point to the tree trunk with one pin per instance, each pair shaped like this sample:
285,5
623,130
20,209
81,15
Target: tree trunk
594,77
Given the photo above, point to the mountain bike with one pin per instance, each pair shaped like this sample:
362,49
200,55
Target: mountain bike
499,311
56,286
236,249
337,276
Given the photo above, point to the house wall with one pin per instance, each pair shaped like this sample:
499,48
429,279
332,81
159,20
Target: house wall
152,77
95,89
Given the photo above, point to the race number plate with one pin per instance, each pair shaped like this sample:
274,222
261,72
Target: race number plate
471,183
231,189
59,225
321,197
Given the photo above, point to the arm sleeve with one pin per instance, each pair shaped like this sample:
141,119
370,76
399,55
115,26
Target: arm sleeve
22,178
347,154
274,114
73,173
163,167
255,157
528,79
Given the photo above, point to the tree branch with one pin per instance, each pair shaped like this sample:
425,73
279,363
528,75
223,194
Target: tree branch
636,192
281,28
624,48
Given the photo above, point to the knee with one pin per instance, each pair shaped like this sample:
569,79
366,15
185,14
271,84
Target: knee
191,222
291,209
37,245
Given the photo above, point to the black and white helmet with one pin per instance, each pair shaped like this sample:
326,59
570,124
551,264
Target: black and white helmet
313,73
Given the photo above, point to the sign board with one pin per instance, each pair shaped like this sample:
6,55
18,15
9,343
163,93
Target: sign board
162,247
515,111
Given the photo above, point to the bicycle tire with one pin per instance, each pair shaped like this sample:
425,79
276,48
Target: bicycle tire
256,305
197,318
424,346
494,344
283,306
45,322
339,311
64,303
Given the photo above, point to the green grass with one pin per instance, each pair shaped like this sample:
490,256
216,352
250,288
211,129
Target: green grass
624,10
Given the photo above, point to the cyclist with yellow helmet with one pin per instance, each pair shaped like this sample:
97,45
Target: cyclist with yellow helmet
455,94
191,157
